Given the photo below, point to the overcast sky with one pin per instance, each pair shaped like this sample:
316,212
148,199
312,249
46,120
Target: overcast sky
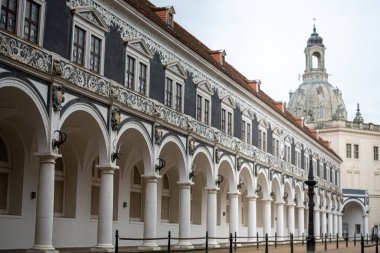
265,39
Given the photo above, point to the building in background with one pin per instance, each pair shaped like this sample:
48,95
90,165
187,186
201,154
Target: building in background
357,143
112,116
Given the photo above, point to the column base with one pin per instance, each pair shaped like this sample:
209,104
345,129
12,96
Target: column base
103,248
149,247
212,245
184,245
42,249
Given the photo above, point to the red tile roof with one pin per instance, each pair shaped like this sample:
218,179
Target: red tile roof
148,9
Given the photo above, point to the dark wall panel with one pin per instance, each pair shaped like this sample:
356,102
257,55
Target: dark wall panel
302,159
255,132
237,123
270,140
215,111
293,153
190,97
58,27
114,62
157,79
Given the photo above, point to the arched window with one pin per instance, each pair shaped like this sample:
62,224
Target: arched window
136,196
95,188
165,200
5,177
59,187
315,61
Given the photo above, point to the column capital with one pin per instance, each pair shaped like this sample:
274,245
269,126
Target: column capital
237,193
212,189
300,207
107,168
185,184
281,202
291,204
151,177
254,197
267,200
48,156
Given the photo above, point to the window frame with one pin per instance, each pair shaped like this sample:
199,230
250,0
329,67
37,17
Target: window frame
348,150
229,124
6,167
176,74
20,20
376,153
203,97
61,176
356,151
91,29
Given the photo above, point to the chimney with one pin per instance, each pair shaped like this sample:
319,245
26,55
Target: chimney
280,105
326,143
166,14
218,55
314,133
254,85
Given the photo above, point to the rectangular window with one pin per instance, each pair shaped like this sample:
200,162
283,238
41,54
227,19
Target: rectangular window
207,112
223,121
229,123
178,97
59,187
142,79
357,228
356,151
169,92
130,72
8,15
376,153
243,130
135,206
79,45
248,133
199,108
32,16
348,150
95,54
277,148
4,181
165,207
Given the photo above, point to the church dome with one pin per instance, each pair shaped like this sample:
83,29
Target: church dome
317,102
314,39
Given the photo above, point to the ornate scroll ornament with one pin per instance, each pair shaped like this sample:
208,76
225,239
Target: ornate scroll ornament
217,155
191,145
57,97
115,119
158,133
114,92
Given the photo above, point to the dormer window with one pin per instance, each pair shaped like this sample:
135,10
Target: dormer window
170,19
166,14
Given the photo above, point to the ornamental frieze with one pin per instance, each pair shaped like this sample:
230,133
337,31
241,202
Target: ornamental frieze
25,53
136,101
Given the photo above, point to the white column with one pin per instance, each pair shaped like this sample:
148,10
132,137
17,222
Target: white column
184,215
365,231
291,218
234,213
150,213
267,216
45,204
301,220
340,230
211,216
104,240
251,217
324,223
335,216
330,226
317,223
280,218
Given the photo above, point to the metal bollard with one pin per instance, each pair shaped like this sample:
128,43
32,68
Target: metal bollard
230,242
117,241
337,241
354,240
377,244
362,244
257,240
367,239
291,243
169,236
275,240
325,241
206,242
266,243
302,240
346,240
235,246
330,238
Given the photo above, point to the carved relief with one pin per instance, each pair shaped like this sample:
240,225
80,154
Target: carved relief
115,119
158,133
217,155
57,97
191,145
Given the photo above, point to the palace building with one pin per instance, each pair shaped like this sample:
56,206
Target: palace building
113,116
357,143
